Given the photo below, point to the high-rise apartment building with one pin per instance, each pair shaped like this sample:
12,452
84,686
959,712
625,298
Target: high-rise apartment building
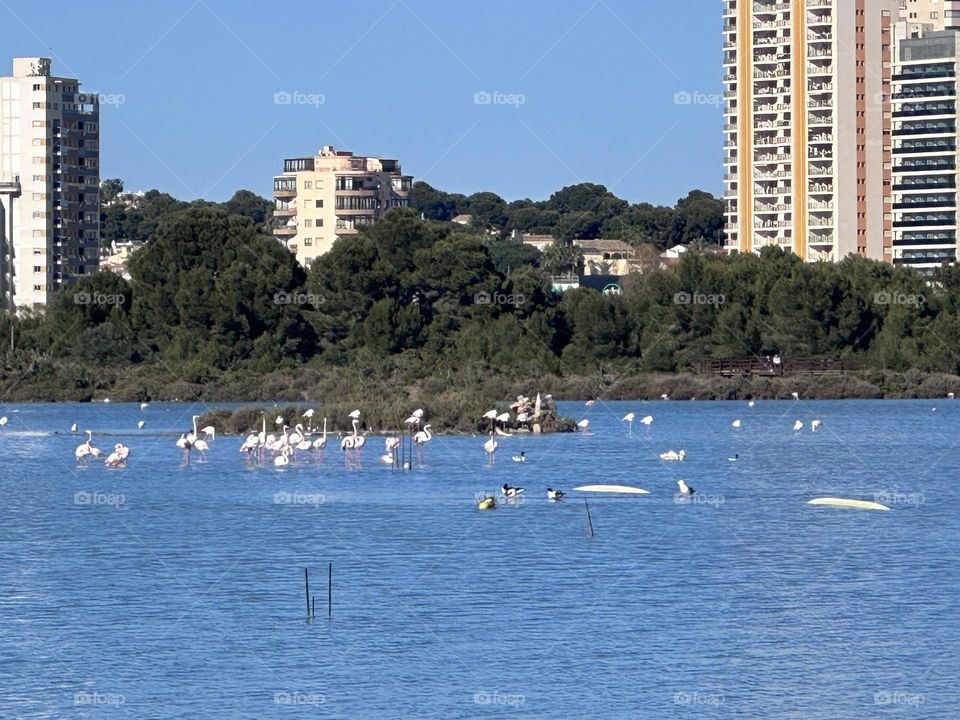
49,183
331,195
807,126
925,178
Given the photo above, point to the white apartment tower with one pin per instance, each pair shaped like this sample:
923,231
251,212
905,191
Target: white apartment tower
807,126
49,183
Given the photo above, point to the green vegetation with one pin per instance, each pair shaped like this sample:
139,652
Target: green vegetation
415,313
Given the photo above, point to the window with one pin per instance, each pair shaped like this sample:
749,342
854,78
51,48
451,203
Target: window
38,288
319,203
39,178
37,251
307,242
38,268
308,184
308,223
319,222
39,123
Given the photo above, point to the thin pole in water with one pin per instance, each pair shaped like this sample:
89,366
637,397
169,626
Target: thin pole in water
306,585
589,519
330,592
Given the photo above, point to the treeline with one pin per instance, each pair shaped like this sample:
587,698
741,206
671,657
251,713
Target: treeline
215,304
584,211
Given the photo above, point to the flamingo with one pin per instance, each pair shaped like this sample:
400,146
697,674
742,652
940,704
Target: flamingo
86,450
185,443
351,444
673,455
503,418
646,420
589,403
421,439
141,424
321,442
73,428
685,489
199,443
118,457
798,425
628,418
490,448
814,425
390,445
664,396
144,406
751,403
735,423
283,459
795,395
583,424
3,421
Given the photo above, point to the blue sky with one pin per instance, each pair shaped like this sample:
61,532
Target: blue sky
580,91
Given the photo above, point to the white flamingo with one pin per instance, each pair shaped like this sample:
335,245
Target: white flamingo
351,444
141,424
390,444
735,423
646,420
321,442
798,425
73,428
628,418
118,457
86,450
421,439
199,443
490,448
673,455
685,489
3,421
814,425
583,425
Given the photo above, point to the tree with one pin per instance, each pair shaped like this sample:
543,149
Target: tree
110,190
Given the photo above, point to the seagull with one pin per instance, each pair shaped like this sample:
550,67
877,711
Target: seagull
554,494
685,489
522,457
141,424
815,424
735,423
798,425
511,492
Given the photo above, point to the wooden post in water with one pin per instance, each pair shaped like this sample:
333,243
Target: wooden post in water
589,519
306,584
313,607
330,592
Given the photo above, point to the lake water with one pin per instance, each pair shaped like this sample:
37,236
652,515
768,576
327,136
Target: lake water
171,591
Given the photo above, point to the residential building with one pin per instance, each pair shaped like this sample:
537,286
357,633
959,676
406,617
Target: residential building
49,146
925,124
118,257
922,15
607,257
807,126
333,195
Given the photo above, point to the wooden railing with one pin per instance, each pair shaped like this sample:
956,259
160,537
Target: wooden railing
766,367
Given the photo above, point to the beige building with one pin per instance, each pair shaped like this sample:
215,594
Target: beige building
332,195
49,171
930,14
607,257
807,126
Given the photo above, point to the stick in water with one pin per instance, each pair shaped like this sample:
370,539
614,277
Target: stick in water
306,584
589,519
330,592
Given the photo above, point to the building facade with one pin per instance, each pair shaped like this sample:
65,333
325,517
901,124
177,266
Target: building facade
331,195
925,151
921,15
807,126
49,149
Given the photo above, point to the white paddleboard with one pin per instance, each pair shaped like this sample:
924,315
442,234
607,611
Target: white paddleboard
843,502
628,489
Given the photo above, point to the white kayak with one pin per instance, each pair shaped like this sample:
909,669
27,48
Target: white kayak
627,489
844,502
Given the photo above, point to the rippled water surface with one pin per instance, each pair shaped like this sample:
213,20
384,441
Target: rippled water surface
166,590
